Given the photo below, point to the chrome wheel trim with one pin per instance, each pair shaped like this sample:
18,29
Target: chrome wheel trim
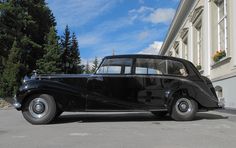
184,106
38,108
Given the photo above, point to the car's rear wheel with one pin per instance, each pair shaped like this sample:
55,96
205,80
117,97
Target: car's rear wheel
39,109
184,109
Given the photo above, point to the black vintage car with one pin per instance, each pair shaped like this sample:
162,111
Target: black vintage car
152,83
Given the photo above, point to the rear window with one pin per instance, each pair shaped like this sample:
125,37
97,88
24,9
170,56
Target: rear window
176,68
115,66
159,67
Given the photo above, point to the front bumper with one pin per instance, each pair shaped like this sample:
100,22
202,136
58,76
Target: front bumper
16,104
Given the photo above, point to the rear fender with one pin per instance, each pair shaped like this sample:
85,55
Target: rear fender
201,94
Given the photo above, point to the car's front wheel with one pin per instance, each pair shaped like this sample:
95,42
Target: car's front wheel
184,109
39,109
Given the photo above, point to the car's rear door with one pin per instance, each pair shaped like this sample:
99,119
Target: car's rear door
160,77
151,72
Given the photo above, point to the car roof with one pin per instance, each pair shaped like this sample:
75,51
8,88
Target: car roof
145,56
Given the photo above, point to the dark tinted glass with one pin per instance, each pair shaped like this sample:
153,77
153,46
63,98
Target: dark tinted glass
159,67
115,66
176,68
150,66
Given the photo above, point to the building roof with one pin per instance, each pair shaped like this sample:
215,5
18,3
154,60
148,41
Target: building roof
181,14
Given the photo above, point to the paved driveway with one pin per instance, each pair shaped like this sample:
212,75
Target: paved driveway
118,130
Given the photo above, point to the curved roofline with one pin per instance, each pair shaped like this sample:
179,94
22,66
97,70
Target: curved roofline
144,56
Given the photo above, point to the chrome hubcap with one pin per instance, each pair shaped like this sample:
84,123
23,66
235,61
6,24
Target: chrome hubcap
38,107
183,106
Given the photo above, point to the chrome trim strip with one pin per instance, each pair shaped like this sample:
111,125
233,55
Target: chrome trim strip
148,110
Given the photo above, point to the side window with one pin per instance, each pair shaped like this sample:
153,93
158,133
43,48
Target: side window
176,68
159,67
150,66
115,66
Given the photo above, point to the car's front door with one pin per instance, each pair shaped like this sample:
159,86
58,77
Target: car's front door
113,87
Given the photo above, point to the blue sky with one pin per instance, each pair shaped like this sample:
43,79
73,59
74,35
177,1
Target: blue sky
125,26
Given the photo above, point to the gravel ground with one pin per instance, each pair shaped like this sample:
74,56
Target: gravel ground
118,130
4,104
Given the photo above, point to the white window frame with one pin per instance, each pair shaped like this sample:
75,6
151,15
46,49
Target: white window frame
170,53
224,18
199,43
198,38
185,46
176,49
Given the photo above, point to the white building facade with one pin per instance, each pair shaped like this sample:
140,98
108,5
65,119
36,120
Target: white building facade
204,32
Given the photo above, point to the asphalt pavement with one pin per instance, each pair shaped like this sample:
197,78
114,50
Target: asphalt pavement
118,130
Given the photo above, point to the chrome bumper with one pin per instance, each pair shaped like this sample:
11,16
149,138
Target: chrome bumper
15,103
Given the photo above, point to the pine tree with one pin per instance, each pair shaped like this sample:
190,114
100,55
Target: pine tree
66,45
95,65
75,56
27,23
50,63
87,68
11,75
71,60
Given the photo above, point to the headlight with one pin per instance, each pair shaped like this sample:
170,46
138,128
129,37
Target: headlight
25,79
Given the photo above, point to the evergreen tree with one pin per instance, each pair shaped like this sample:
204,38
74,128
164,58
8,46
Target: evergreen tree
50,63
66,45
95,65
87,68
27,23
11,75
71,61
82,68
75,56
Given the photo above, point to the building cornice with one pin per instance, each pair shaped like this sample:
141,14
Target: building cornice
181,14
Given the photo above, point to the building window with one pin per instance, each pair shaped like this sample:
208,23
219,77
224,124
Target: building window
219,92
222,26
176,49
184,37
199,43
185,47
196,19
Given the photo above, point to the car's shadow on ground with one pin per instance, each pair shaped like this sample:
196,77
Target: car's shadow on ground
125,117
209,116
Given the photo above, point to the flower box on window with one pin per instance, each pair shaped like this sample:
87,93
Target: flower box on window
219,54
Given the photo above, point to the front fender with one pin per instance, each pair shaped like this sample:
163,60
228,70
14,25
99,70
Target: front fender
63,93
